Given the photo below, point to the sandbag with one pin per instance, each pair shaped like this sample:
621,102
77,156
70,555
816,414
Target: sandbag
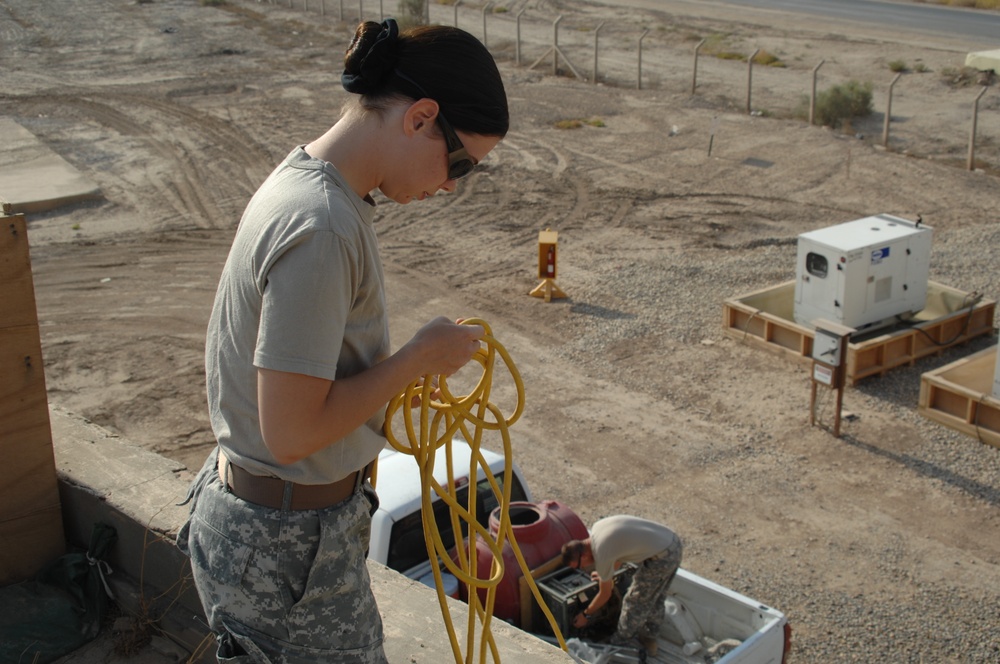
61,608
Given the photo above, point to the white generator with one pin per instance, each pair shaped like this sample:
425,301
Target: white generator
863,274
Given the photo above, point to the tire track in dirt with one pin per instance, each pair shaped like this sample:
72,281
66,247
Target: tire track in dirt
182,189
155,291
12,31
203,168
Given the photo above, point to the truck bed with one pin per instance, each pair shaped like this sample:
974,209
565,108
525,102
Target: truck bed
706,623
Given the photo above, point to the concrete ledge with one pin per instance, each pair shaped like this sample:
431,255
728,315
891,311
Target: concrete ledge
33,178
104,479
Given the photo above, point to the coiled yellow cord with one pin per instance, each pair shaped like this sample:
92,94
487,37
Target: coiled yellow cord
471,415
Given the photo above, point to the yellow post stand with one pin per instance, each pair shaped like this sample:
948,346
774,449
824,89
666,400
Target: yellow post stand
548,253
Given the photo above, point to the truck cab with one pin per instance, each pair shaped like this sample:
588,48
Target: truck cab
397,538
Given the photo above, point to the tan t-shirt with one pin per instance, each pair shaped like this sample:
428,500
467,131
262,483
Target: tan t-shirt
624,538
302,291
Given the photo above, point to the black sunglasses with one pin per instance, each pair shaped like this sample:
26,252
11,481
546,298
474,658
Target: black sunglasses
460,163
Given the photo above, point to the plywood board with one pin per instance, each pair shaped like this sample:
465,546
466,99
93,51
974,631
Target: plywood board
958,395
30,516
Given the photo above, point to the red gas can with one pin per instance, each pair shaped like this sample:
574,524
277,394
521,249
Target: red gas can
540,529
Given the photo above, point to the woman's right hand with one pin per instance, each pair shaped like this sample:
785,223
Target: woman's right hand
444,347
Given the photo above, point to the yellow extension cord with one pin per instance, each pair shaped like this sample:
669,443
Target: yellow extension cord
458,414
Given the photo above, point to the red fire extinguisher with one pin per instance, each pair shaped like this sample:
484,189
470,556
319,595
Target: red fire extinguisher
550,263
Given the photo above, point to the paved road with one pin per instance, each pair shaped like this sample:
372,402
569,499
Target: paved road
980,25
979,28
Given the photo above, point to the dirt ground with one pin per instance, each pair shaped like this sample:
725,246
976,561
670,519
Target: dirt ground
666,203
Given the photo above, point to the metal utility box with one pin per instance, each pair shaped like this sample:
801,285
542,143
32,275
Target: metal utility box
863,274
567,591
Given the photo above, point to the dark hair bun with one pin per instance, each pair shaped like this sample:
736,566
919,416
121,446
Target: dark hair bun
371,57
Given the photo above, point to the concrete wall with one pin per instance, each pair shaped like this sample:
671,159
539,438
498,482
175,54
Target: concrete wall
104,479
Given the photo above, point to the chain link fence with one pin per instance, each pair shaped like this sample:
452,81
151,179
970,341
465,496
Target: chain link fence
728,73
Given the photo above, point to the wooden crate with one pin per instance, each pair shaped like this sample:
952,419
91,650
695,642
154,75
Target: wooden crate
765,318
959,395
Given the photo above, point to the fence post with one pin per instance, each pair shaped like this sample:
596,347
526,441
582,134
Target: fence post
638,85
972,132
812,96
888,111
361,11
455,6
517,43
486,8
596,32
381,11
694,71
340,16
322,7
555,46
750,77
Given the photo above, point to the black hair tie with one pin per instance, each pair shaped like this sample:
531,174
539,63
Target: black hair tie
377,64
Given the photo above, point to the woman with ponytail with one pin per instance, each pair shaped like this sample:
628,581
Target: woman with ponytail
298,360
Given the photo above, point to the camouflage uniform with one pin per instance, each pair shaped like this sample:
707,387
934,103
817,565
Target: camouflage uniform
283,587
642,607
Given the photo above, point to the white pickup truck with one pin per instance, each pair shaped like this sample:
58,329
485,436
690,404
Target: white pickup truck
707,623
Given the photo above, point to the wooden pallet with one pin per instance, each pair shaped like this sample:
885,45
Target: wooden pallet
765,318
959,395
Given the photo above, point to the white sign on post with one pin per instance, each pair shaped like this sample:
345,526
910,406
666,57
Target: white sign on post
823,374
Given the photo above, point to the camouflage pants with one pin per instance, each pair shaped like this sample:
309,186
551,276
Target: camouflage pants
642,607
283,587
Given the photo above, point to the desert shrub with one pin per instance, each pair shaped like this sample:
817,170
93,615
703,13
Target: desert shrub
716,46
897,66
921,68
410,13
569,124
212,3
577,123
767,59
836,106
961,78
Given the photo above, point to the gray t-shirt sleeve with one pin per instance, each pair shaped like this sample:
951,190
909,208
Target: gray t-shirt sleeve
308,293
